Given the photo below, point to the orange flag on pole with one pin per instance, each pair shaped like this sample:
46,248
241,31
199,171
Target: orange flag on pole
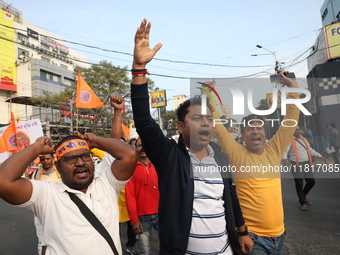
86,98
126,131
8,141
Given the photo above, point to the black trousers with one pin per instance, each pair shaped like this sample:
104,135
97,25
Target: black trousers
130,235
299,176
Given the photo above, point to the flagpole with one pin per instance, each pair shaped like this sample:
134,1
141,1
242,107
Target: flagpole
77,121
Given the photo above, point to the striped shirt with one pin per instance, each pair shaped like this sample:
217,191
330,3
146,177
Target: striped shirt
208,234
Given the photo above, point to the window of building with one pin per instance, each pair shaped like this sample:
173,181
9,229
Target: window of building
22,38
44,47
45,59
324,14
49,76
63,54
68,82
63,66
22,51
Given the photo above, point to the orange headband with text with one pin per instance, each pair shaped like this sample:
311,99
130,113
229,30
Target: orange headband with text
71,146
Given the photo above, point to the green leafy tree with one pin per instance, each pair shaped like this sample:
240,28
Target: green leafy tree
105,79
170,122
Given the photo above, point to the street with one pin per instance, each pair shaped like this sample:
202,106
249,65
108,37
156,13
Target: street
314,232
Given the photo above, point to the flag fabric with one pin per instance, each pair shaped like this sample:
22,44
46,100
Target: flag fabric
8,141
86,98
126,131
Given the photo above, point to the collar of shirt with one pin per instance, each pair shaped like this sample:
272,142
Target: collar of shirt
209,149
49,171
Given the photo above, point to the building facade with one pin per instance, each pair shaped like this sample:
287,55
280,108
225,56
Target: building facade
32,61
324,75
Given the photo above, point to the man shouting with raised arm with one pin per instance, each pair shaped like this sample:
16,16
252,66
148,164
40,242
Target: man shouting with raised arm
197,213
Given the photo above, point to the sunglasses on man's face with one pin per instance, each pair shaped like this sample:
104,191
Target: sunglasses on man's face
74,158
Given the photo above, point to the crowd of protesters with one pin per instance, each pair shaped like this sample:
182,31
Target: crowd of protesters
157,182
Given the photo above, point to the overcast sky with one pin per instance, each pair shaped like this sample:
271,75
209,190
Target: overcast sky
213,32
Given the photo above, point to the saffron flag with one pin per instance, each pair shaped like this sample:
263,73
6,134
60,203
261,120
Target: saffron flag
126,131
8,141
86,98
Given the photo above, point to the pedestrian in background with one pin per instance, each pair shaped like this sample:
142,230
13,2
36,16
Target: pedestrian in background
142,198
299,154
334,141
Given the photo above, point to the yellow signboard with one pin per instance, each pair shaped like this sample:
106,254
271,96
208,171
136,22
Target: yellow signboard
333,38
269,99
8,80
158,98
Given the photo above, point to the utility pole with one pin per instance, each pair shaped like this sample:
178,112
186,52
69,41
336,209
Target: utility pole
71,111
160,122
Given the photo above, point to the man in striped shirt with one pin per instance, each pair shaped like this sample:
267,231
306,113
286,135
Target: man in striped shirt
198,211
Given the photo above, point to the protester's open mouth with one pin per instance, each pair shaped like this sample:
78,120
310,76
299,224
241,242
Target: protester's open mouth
256,140
81,172
204,134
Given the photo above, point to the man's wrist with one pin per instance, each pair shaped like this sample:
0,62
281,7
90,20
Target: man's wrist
138,66
244,233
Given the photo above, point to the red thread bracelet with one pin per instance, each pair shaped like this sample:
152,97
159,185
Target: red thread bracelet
141,72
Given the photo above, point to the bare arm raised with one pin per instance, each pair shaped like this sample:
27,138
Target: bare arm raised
117,103
14,189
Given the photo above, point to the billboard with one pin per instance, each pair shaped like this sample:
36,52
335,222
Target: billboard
326,46
269,99
8,54
52,43
158,98
333,38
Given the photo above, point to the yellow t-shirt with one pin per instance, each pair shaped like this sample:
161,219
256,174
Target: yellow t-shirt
260,193
123,213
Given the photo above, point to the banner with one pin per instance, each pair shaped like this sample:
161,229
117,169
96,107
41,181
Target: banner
8,80
269,99
27,133
85,96
158,98
333,38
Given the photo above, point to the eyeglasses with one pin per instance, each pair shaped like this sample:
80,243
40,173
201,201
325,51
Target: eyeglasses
74,158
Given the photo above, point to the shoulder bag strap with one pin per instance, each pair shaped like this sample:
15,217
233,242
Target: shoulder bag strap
93,220
301,144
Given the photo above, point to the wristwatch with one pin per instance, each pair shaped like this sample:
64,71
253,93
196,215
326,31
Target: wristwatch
244,233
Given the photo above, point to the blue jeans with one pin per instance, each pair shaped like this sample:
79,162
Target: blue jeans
148,221
267,245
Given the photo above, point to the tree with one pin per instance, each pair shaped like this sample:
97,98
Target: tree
105,79
262,105
169,122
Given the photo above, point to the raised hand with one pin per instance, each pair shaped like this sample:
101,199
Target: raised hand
287,81
142,52
45,145
117,102
91,140
77,133
89,137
